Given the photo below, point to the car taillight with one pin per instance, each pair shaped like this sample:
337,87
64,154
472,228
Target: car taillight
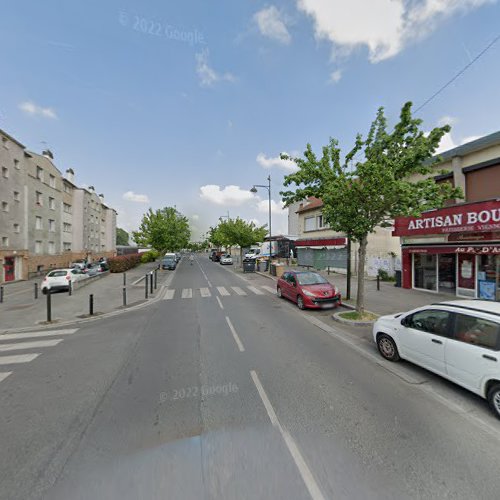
68,277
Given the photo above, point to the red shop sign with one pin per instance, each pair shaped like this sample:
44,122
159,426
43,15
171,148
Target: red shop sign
482,216
486,249
321,242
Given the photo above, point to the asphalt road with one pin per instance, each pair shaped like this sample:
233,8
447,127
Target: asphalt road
222,390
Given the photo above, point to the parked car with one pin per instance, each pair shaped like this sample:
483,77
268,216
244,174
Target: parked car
80,264
253,253
308,290
216,257
226,259
59,279
169,261
459,340
178,257
211,254
103,267
92,269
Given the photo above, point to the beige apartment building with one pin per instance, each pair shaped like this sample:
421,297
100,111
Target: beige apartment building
321,247
46,220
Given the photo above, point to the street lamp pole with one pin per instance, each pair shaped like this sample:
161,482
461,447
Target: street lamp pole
268,187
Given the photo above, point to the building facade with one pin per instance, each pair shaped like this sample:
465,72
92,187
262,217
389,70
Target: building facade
46,221
456,249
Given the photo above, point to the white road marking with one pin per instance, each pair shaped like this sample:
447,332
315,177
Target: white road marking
209,284
29,345
270,289
235,335
20,358
46,333
169,295
220,303
187,293
4,375
239,290
205,292
305,472
255,290
222,291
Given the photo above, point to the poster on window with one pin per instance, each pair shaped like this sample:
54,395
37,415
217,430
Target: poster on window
466,271
487,290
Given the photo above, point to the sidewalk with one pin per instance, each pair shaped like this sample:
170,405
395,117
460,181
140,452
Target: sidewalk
20,309
389,300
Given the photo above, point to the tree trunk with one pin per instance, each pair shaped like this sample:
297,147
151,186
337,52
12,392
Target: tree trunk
360,299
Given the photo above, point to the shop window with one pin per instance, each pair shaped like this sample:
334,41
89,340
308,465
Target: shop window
447,272
425,271
488,277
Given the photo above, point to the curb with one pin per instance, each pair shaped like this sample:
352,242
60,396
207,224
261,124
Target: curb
56,324
266,275
344,321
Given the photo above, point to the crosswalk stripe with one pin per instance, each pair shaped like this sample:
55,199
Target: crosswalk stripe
29,335
222,290
238,290
205,292
4,375
169,295
255,290
20,358
270,289
29,345
187,293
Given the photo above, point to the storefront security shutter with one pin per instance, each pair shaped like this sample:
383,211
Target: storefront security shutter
305,256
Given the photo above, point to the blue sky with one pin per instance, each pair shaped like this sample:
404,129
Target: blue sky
190,103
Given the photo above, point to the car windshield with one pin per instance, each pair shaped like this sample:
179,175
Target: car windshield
56,274
310,279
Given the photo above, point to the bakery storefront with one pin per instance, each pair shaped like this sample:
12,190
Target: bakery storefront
453,250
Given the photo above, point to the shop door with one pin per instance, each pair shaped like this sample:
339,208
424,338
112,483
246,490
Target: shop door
447,273
466,274
9,269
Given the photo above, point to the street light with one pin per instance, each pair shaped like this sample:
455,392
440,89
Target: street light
268,187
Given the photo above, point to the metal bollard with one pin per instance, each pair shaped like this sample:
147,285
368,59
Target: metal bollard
378,282
156,279
91,304
49,306
146,286
70,288
36,290
1,294
151,282
124,279
124,296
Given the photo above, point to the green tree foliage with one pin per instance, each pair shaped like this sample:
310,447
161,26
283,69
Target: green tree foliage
360,195
122,236
165,230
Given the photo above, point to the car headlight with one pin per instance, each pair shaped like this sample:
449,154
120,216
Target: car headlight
308,293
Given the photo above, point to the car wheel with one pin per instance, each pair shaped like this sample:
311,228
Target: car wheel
300,303
279,293
387,347
493,397
44,291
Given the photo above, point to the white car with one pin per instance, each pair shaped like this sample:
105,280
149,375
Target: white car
253,253
459,340
59,279
226,259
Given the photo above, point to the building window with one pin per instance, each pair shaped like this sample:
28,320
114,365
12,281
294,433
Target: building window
5,241
67,188
16,228
67,227
52,225
310,224
17,196
52,248
38,223
39,173
52,181
67,208
38,247
320,224
5,206
52,203
5,143
39,198
67,246
5,172
16,164
425,271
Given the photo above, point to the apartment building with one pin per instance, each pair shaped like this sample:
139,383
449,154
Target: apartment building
456,249
46,220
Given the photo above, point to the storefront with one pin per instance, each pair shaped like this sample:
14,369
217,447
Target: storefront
454,250
322,253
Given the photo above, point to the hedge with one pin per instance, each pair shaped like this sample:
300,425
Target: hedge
150,256
123,263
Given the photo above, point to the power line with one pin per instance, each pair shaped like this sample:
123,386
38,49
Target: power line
460,73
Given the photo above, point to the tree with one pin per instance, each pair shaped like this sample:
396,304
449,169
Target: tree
216,237
166,230
122,236
360,195
238,232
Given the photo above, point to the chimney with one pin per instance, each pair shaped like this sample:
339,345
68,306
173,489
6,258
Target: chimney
101,197
70,175
91,189
48,154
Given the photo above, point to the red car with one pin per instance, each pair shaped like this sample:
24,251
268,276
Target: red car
308,290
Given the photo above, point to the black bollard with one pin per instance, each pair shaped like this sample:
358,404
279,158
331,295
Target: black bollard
36,290
91,304
124,279
146,286
49,306
1,294
378,282
156,279
124,296
151,283
70,288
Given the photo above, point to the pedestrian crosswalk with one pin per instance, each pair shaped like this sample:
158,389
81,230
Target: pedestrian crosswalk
29,341
217,291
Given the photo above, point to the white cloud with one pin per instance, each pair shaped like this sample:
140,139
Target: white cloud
207,75
228,196
447,120
385,27
136,198
447,142
272,25
336,76
276,162
195,217
276,208
33,109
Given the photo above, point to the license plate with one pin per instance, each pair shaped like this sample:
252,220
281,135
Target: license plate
327,306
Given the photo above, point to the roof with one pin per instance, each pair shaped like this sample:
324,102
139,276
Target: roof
480,305
12,138
310,204
471,147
